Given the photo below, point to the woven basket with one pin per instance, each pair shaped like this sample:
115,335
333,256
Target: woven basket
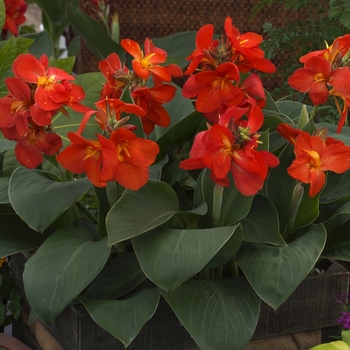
158,18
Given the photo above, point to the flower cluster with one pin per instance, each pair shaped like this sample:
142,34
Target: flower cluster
344,319
35,95
15,10
121,155
326,73
235,108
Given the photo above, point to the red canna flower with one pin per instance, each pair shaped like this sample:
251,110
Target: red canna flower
151,100
17,108
288,132
15,10
314,156
52,87
29,148
145,64
117,75
220,151
215,88
84,155
133,157
245,50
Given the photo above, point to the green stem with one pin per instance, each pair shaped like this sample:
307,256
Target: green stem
314,110
120,247
217,204
233,268
87,212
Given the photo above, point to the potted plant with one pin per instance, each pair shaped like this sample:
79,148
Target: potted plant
211,196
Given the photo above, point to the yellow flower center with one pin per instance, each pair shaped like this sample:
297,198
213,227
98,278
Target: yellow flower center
46,82
122,150
315,160
146,61
93,151
319,77
15,106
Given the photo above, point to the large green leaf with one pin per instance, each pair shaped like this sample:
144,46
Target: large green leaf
94,34
337,188
275,272
219,314
42,44
178,47
235,206
139,211
6,144
10,50
119,277
39,200
60,269
261,225
169,257
124,318
292,109
16,236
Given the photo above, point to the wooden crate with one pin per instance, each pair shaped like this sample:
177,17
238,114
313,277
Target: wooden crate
311,306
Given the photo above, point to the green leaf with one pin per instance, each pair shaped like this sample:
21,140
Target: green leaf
219,314
39,200
155,203
169,257
6,145
60,269
123,318
334,345
42,44
2,17
67,63
336,189
10,50
179,133
94,34
261,224
275,272
294,110
235,206
16,236
332,131
118,278
178,47
345,335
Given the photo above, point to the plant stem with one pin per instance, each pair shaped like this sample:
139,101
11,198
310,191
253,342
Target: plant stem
87,212
314,110
217,204
233,268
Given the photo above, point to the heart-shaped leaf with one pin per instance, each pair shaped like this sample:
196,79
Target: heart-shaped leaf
39,200
124,318
61,268
261,225
155,203
169,257
219,314
118,278
275,272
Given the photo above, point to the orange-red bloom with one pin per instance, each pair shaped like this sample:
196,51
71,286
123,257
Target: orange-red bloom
53,88
133,156
314,156
145,64
29,148
220,151
15,10
151,100
84,155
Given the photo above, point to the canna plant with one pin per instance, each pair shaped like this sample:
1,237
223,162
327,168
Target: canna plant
130,188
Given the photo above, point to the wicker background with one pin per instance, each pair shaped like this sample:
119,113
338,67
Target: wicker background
157,18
